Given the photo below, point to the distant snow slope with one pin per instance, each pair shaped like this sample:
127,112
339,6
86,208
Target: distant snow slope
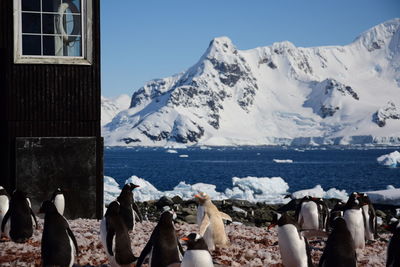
111,107
278,94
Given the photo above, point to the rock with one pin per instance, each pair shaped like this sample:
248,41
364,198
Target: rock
164,201
192,219
177,200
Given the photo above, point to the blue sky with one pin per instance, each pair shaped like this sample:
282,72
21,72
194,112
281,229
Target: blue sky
143,40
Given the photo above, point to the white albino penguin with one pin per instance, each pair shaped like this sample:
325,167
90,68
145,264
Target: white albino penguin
354,220
293,247
197,254
4,204
59,201
210,221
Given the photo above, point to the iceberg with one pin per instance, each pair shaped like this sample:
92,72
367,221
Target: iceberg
172,151
111,189
389,196
282,160
390,160
318,191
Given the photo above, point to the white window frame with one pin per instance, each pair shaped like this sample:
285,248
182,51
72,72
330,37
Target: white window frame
86,45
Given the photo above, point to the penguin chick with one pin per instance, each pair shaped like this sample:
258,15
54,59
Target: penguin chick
293,247
115,238
354,220
393,255
58,242
197,254
339,250
163,248
59,201
4,204
19,216
128,208
210,221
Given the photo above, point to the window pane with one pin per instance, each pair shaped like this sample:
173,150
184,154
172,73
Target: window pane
71,24
73,5
73,47
49,45
31,45
50,23
50,5
30,5
30,23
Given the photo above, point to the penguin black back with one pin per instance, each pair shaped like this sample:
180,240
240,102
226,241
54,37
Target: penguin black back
339,250
128,207
117,236
56,239
20,215
163,245
393,255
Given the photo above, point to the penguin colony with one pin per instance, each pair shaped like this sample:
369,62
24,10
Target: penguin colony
347,228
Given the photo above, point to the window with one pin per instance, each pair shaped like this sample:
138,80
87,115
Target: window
52,31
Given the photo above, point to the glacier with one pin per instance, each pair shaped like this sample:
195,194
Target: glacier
273,95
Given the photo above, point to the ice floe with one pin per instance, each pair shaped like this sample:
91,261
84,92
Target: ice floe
282,160
390,196
390,160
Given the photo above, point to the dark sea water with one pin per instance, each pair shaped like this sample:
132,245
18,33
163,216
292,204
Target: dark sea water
349,169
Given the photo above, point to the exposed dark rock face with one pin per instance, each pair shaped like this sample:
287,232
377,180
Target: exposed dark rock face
390,111
129,140
332,85
327,111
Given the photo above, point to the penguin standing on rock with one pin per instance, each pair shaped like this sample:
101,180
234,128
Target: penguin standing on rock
115,238
197,254
128,208
339,250
19,216
393,255
369,216
58,242
4,204
163,248
354,220
59,201
312,213
294,248
210,221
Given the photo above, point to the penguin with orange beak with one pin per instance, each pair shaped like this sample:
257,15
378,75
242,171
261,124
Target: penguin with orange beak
210,221
129,210
197,254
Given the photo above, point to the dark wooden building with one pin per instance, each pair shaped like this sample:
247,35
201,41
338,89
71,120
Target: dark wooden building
50,102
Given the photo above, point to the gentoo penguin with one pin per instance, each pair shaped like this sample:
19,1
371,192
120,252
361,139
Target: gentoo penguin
20,217
115,238
312,213
339,250
128,208
197,254
336,212
293,247
163,247
369,216
393,255
354,220
58,199
210,221
58,242
4,204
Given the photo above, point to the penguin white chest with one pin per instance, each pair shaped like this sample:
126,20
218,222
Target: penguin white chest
369,233
4,205
292,246
308,217
200,214
197,258
59,202
355,224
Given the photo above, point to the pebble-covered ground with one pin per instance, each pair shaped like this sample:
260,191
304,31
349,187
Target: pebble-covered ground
250,246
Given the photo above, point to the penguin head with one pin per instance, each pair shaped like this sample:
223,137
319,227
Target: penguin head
113,209
168,216
353,202
202,197
393,226
130,187
18,194
195,242
47,207
275,218
339,223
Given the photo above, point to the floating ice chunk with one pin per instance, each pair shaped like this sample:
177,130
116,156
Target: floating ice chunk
183,156
388,196
172,151
187,191
335,193
318,191
111,189
390,160
146,191
282,160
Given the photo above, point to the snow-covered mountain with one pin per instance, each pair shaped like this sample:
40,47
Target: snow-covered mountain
278,94
112,106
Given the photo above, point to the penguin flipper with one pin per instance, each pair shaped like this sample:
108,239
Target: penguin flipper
109,241
204,224
5,219
181,251
72,236
137,211
225,216
146,251
34,218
